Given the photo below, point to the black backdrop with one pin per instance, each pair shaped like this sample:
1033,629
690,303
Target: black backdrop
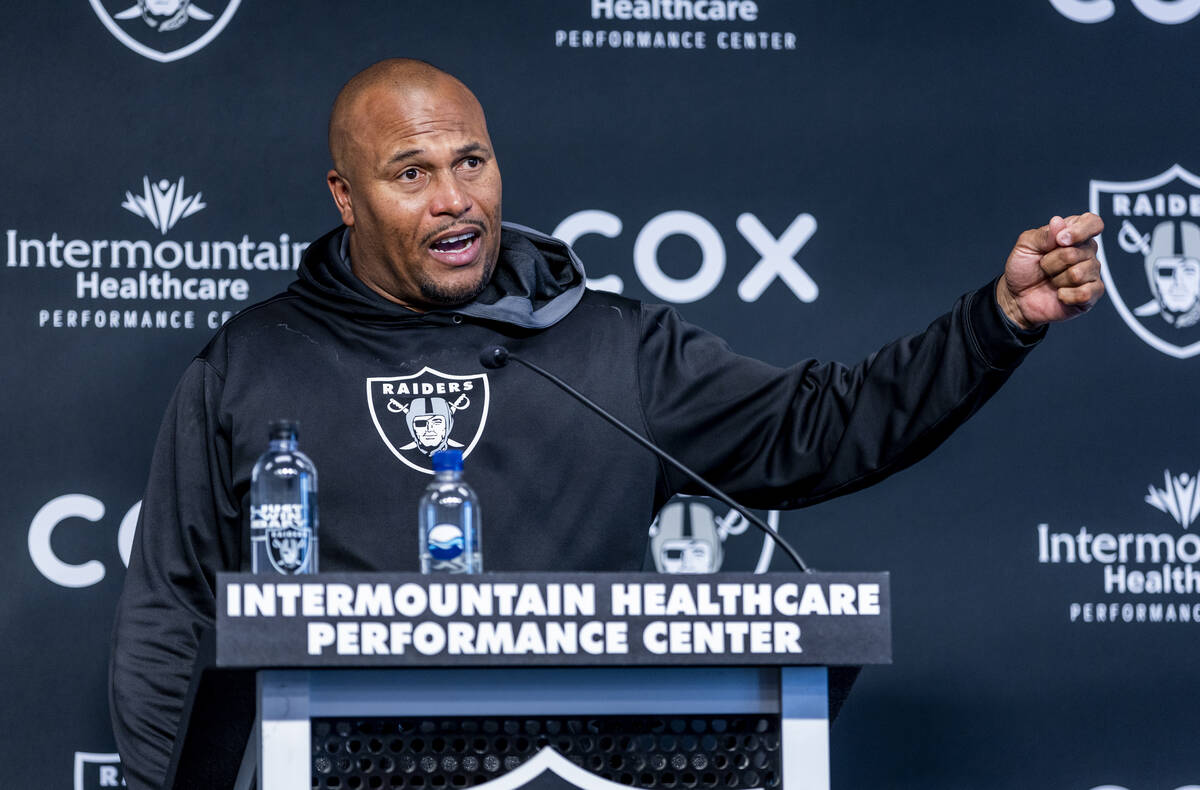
920,139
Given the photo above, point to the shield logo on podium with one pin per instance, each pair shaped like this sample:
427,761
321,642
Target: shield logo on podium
549,770
428,411
1150,256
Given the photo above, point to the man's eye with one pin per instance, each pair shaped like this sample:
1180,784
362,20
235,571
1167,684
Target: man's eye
472,162
411,174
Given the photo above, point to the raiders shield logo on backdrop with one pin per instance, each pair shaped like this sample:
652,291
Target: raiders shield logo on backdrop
165,30
1150,256
428,411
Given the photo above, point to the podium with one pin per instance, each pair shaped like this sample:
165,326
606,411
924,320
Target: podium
536,680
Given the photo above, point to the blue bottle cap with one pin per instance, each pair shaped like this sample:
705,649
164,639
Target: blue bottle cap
447,461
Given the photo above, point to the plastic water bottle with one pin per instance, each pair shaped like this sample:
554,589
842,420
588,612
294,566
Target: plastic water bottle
283,506
448,520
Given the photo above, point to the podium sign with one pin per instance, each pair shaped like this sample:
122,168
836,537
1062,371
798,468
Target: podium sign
547,619
614,650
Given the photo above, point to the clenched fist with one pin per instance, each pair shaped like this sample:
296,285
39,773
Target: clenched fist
1052,274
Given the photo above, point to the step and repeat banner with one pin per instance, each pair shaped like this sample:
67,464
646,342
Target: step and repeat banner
804,178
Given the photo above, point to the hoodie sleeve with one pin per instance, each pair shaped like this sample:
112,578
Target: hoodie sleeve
187,530
786,438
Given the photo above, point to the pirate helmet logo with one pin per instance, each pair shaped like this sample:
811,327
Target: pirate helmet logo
1173,271
163,30
687,540
289,552
702,535
1150,256
428,411
430,421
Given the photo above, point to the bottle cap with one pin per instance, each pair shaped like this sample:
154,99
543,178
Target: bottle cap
447,461
285,430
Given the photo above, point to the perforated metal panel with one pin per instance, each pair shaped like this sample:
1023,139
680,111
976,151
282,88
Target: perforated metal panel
431,754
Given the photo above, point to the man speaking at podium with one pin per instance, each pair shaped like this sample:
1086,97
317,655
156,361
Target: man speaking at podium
398,303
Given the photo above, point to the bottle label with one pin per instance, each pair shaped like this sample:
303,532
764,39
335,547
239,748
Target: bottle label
285,534
446,542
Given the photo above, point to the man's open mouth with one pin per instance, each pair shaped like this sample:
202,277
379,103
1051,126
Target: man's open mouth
457,248
456,243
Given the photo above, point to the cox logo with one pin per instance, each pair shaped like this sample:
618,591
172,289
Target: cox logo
69,506
777,255
1119,787
1166,12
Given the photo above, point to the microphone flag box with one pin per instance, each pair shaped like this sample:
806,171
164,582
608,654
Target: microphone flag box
552,619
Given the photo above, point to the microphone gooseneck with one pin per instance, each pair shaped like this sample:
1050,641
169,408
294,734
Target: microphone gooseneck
494,357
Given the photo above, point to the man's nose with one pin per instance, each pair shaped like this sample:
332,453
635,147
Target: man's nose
449,198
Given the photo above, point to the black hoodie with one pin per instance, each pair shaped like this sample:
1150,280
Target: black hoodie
560,489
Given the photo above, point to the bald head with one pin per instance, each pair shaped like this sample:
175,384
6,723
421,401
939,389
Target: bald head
403,79
416,183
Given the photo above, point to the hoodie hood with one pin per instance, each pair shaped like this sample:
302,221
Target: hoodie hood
537,281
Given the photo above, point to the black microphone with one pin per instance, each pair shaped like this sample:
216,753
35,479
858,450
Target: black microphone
495,357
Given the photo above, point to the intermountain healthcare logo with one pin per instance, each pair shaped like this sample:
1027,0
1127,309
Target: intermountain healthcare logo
653,24
131,283
1150,256
428,411
1179,499
1153,573
163,203
692,535
94,771
164,30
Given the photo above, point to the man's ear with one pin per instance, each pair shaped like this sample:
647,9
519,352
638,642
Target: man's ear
339,187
